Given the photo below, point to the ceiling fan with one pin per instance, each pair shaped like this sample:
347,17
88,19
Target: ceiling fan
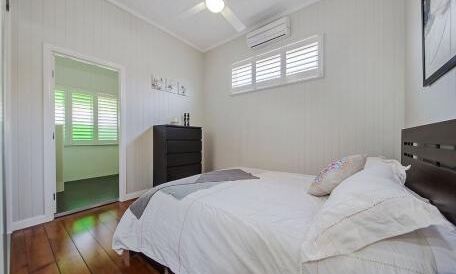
216,6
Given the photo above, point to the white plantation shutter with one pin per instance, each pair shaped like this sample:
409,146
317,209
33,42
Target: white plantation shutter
88,118
303,60
82,126
268,67
59,102
107,119
242,75
288,64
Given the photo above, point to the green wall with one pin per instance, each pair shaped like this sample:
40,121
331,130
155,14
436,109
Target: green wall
82,162
70,73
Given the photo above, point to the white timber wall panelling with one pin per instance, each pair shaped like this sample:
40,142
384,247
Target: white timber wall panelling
356,108
4,243
431,104
94,28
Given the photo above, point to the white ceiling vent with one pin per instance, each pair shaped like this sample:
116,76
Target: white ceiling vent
270,33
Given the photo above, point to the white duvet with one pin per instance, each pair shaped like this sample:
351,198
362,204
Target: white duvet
253,226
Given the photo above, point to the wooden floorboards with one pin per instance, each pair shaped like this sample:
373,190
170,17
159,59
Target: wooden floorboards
75,244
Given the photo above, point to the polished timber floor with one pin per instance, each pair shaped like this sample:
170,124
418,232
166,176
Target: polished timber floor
84,194
75,244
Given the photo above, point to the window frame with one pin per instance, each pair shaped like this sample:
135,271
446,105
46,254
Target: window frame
284,79
68,140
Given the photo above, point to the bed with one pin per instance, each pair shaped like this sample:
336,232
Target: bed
258,225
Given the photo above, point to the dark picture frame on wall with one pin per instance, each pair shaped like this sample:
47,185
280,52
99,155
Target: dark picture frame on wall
439,38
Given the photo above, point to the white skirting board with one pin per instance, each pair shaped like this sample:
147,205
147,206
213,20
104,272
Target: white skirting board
134,195
18,225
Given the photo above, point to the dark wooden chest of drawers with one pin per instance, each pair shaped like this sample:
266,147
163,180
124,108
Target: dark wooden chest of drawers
177,152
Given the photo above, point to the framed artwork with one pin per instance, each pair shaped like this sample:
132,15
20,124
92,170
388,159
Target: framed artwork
171,86
182,89
439,38
168,85
158,82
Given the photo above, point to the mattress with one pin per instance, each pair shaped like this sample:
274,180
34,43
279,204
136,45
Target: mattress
251,226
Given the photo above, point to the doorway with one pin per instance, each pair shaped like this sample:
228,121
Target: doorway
86,112
85,157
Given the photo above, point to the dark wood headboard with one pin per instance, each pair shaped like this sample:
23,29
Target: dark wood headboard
431,151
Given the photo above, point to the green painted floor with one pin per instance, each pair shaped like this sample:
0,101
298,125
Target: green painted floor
85,193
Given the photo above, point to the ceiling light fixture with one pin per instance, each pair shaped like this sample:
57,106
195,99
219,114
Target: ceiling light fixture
215,6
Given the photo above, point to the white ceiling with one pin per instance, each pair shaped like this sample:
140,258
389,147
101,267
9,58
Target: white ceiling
206,30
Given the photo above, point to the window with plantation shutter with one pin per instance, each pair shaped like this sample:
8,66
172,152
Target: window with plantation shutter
82,119
241,76
303,60
59,101
107,119
88,118
292,63
268,67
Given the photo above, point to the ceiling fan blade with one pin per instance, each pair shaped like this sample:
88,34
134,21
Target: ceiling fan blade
233,19
194,10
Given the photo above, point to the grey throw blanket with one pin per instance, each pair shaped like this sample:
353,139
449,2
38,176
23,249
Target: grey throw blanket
181,188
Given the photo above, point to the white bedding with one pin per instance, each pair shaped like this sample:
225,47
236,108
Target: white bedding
254,226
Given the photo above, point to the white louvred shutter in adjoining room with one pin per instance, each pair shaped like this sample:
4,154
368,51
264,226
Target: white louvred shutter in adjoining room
59,102
107,119
82,127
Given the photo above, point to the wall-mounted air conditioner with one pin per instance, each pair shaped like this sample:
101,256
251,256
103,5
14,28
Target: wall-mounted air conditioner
270,33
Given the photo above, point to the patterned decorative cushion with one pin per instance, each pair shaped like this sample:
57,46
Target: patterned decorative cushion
335,173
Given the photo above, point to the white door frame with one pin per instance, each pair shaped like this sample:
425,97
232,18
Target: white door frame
49,52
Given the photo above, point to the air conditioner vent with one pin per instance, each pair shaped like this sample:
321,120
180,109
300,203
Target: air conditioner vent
270,33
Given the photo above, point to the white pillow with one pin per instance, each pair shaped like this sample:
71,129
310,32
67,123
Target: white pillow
399,171
335,173
366,208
